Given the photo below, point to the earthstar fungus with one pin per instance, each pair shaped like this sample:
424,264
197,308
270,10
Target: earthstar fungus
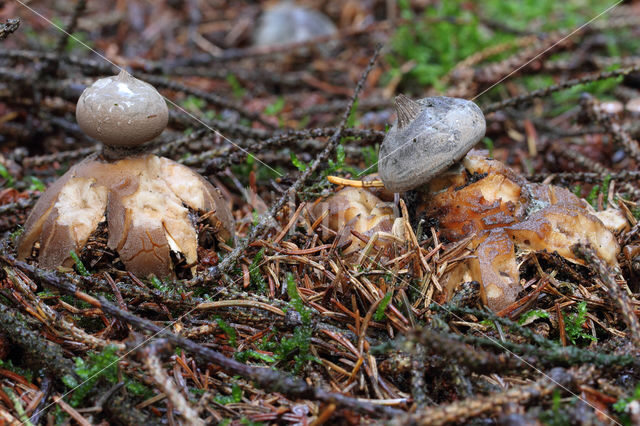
500,211
145,199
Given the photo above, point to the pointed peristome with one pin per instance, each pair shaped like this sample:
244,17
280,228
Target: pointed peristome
407,109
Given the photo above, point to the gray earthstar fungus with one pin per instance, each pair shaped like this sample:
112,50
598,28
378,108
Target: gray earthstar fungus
501,216
144,199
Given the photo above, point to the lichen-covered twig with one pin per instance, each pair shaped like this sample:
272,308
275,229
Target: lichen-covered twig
617,293
41,352
9,27
266,378
460,411
151,361
590,78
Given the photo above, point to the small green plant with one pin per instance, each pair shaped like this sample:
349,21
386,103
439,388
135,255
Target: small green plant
193,104
488,143
158,284
244,356
263,173
351,119
7,364
573,324
236,87
605,190
102,365
592,197
555,416
299,164
379,315
532,315
82,270
577,190
300,342
621,404
275,108
35,184
256,276
16,234
370,155
4,173
338,164
17,405
228,330
296,301
235,397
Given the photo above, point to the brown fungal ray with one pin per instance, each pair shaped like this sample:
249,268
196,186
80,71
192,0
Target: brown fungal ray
498,270
149,222
489,203
142,245
504,212
39,214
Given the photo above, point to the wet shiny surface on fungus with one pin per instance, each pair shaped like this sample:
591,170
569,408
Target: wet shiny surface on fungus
506,215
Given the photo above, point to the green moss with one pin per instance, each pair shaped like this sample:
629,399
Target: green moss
79,265
7,364
9,181
159,285
532,315
299,344
236,87
235,397
256,276
573,324
379,315
228,330
244,356
99,365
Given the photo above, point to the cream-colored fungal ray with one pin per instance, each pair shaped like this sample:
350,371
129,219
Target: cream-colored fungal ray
197,193
79,208
557,228
153,207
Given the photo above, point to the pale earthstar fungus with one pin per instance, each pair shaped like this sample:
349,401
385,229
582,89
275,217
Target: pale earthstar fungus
145,199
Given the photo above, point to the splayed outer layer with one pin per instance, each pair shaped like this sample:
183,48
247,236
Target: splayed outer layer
144,201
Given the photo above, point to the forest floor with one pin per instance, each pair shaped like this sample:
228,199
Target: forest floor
287,327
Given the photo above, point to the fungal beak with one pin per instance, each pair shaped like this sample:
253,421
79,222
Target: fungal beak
407,109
